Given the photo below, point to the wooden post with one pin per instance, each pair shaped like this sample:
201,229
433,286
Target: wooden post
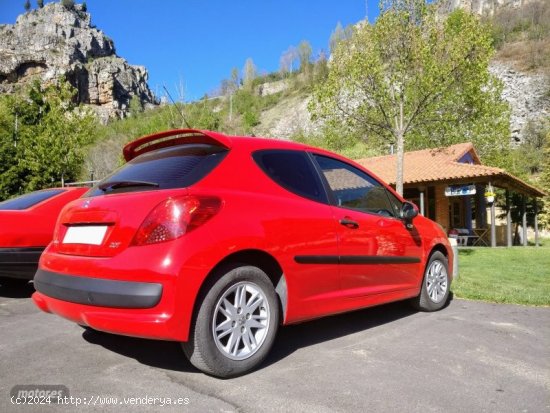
536,223
508,220
524,220
493,227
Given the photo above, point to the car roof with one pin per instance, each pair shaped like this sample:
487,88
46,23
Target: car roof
247,143
187,136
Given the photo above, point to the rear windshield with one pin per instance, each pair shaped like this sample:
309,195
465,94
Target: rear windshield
173,167
29,200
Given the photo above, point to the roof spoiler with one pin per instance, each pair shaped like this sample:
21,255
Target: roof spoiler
171,138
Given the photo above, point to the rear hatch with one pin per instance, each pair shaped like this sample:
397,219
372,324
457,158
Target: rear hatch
148,190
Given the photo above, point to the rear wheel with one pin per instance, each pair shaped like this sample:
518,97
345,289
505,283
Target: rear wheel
435,288
235,324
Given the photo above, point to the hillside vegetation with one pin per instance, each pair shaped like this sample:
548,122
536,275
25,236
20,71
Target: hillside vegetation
522,36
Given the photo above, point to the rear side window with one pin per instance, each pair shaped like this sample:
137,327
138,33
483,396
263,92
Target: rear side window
293,171
29,200
167,168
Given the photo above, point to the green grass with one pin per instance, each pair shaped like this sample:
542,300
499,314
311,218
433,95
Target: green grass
517,275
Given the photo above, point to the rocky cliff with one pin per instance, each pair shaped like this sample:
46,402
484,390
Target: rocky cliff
482,7
54,41
527,95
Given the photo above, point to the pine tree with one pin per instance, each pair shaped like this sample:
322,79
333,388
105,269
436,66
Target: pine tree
27,5
40,3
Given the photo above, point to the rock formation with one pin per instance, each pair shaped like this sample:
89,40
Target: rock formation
56,41
482,7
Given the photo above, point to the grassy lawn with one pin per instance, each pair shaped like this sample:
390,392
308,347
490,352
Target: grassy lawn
517,275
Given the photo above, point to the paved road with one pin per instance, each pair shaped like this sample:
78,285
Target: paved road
470,357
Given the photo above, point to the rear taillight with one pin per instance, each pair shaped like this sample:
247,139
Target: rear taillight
174,217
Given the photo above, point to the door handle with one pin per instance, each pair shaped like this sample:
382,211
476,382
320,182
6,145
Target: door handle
350,223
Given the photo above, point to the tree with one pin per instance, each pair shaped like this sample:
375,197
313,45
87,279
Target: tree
68,4
42,138
27,5
339,34
414,79
529,157
304,54
545,185
40,3
286,63
84,6
249,73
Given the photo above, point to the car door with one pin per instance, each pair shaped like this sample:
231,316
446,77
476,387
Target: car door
303,229
377,253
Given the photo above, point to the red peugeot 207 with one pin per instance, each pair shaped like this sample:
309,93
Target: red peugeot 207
214,241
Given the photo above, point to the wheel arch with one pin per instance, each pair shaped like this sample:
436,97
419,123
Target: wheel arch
447,253
257,258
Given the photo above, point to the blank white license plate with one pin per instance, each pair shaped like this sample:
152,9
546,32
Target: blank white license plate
89,234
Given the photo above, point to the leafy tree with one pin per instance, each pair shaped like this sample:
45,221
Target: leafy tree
27,5
320,70
40,3
304,54
249,73
416,80
528,158
339,34
286,63
43,138
545,185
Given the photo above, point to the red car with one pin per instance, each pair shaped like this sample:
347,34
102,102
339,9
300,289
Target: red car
214,241
27,223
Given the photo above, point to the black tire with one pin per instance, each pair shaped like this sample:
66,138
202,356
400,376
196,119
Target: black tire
425,301
205,351
13,282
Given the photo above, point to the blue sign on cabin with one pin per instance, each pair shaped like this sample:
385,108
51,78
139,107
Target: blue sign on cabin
460,190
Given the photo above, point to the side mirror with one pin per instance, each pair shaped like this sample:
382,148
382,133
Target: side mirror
408,212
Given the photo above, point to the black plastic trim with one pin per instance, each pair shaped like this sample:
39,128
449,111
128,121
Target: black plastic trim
97,291
19,262
355,259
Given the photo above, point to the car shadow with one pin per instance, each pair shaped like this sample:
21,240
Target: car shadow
17,291
169,355
166,355
293,337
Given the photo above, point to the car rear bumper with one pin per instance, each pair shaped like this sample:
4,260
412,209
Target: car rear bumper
138,309
98,291
19,262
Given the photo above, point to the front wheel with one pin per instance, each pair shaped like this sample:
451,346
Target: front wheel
235,324
434,292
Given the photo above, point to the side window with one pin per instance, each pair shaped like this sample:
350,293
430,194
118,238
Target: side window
395,203
292,170
354,189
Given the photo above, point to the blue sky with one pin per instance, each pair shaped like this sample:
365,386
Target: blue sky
198,42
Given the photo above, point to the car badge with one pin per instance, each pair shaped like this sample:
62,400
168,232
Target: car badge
86,203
